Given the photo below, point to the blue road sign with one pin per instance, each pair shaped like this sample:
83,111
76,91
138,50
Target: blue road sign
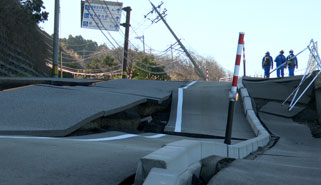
103,15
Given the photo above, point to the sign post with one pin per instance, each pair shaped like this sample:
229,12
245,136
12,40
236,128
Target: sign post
126,25
56,41
96,14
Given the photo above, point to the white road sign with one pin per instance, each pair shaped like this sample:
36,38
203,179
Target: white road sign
104,15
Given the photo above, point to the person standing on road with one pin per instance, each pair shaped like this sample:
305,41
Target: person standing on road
267,64
292,62
280,64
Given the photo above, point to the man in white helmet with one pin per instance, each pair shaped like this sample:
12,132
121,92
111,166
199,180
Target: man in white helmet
292,62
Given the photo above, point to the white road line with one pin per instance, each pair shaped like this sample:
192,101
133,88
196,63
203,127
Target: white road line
107,138
155,136
125,136
178,125
190,84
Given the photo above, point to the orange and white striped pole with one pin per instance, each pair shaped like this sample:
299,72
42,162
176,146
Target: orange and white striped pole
244,61
233,96
131,74
237,66
207,74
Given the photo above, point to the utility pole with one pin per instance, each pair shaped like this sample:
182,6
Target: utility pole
126,25
56,41
201,73
144,43
143,39
171,47
172,52
61,73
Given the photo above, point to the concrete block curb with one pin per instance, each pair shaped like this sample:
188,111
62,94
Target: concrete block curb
240,83
210,148
186,177
244,93
263,140
253,121
176,156
242,149
247,104
161,158
191,152
158,176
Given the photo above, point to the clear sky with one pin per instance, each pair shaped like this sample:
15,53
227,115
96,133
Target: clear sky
210,27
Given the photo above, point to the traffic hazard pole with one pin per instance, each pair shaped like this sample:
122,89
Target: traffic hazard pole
233,96
244,61
207,74
130,74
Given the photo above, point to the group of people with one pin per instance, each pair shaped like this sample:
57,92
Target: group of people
282,62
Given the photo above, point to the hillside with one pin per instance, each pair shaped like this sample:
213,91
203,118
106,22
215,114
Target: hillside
23,51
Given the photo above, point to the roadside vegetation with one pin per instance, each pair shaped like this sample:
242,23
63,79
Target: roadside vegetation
91,57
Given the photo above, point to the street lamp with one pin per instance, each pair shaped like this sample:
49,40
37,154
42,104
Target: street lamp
143,39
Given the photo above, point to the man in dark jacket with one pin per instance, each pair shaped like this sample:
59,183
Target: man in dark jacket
280,64
267,64
292,62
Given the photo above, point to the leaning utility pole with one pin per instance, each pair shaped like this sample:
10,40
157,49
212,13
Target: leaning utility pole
126,25
56,42
201,73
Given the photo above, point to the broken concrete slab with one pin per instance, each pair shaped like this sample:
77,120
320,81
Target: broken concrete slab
13,82
276,108
150,89
204,111
277,89
46,110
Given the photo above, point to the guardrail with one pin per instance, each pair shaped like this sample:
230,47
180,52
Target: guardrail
82,72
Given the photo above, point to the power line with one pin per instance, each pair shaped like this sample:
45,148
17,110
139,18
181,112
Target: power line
98,24
102,25
154,72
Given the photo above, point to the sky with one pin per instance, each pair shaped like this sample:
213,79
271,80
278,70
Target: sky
210,28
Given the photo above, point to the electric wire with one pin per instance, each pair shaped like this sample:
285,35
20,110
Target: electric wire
101,23
115,22
98,24
154,72
151,66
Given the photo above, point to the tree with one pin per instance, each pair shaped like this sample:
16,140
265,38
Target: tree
106,63
145,68
35,9
84,48
109,61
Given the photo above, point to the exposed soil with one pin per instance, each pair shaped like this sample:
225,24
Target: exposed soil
146,117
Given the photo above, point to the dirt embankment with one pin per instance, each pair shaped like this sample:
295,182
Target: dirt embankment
20,34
